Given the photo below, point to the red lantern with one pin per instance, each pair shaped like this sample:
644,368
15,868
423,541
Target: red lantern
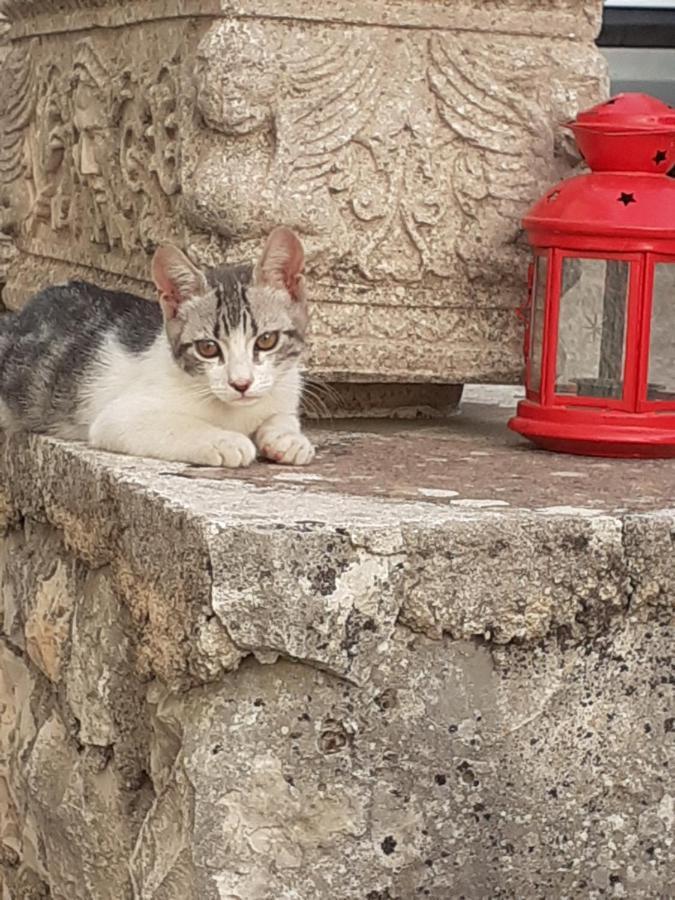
600,341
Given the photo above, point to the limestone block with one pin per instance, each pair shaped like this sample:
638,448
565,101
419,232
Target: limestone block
101,690
38,585
333,608
280,685
403,141
549,589
429,781
84,826
161,866
98,656
652,563
17,730
22,871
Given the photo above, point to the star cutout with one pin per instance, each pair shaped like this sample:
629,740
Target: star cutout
661,156
626,199
671,172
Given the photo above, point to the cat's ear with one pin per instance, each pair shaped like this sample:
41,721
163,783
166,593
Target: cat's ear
176,278
282,263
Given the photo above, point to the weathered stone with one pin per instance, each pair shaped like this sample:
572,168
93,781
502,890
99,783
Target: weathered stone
215,652
17,730
336,597
102,693
38,583
99,656
577,579
22,871
391,401
84,826
649,541
402,140
161,865
449,775
447,677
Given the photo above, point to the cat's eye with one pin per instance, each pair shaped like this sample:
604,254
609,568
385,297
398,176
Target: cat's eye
267,341
207,349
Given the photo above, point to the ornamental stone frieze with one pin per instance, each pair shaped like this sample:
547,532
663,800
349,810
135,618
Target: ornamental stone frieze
403,141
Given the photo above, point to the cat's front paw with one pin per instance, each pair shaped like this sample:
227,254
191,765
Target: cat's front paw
231,450
288,448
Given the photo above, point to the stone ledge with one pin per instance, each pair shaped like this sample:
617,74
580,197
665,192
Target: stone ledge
464,532
475,702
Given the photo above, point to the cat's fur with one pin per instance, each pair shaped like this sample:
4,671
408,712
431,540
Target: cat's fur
125,374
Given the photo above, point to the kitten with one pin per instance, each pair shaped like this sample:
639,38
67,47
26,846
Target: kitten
209,375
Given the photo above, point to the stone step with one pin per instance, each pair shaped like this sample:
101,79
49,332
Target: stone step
433,663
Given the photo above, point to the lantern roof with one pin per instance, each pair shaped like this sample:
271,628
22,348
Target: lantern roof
628,133
629,144
627,112
612,204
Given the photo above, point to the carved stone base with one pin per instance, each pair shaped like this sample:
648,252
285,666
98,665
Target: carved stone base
402,140
347,400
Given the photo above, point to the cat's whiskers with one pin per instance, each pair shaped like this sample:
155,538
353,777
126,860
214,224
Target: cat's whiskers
326,398
310,402
320,386
314,403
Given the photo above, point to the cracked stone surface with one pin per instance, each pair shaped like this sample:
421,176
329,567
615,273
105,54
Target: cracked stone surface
435,663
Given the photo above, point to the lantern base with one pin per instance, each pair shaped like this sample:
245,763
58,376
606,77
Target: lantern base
596,432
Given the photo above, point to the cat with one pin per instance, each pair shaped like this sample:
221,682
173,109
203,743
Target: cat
210,375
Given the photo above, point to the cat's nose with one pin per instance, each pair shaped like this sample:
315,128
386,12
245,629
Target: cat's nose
241,386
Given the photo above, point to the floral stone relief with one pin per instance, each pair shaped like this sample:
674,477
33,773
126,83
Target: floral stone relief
404,156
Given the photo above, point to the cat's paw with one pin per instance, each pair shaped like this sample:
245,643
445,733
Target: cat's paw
232,450
288,448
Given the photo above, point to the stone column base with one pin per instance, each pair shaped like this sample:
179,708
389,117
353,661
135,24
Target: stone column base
375,400
403,140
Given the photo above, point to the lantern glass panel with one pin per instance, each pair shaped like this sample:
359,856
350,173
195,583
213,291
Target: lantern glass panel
537,324
661,380
592,327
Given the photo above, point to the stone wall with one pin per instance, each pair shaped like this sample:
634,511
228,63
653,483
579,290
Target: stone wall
275,690
402,140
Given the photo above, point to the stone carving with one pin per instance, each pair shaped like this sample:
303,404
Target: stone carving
403,155
393,177
92,154
17,108
33,143
507,142
147,158
124,151
88,151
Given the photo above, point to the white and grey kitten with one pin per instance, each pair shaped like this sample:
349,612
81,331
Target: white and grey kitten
210,375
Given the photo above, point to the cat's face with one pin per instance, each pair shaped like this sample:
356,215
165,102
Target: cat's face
237,331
